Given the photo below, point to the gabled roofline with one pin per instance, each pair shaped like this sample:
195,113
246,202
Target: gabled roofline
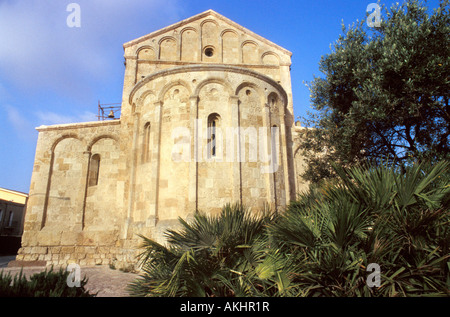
200,16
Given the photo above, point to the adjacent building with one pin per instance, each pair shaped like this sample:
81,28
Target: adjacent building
12,214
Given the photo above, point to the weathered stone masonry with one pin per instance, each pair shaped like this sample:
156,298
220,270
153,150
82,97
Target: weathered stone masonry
96,185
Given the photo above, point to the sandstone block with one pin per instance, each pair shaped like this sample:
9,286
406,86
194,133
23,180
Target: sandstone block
67,250
96,185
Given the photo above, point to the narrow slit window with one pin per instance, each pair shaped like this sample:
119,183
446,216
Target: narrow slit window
274,144
146,144
94,169
213,122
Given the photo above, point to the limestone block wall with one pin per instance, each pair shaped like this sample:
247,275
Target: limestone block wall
207,38
175,171
215,173
210,40
75,206
206,120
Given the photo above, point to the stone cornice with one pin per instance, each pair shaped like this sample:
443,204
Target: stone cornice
67,126
144,61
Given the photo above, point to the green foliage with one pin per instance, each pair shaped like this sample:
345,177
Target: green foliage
320,246
372,215
385,93
211,256
44,284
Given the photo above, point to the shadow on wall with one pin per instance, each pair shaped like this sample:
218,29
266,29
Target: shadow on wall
9,245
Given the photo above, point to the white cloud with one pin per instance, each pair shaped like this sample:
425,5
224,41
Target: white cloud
40,51
15,118
23,128
45,65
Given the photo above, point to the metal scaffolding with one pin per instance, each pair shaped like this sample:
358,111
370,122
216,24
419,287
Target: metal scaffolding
108,111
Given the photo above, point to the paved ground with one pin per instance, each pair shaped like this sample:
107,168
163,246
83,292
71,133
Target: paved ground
4,260
101,279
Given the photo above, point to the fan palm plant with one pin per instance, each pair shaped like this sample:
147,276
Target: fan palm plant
372,215
321,245
210,256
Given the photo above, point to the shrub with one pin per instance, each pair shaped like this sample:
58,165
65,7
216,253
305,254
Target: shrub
320,246
398,220
211,256
44,284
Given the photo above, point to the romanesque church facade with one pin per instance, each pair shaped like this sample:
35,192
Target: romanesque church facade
206,119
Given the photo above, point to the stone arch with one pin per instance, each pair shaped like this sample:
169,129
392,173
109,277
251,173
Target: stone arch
213,116
273,98
278,96
64,184
249,42
93,171
146,145
98,138
230,46
215,80
208,20
172,84
168,37
189,46
270,58
253,86
213,122
146,52
189,28
210,38
140,100
196,68
228,30
250,54
168,48
65,136
274,102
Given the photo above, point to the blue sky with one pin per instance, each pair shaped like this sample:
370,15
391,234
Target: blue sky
51,73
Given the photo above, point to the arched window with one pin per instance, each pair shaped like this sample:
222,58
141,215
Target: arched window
94,168
146,143
213,124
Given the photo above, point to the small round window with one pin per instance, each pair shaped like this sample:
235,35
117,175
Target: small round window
209,51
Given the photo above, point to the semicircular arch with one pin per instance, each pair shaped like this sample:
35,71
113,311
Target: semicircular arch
63,137
215,80
167,87
100,137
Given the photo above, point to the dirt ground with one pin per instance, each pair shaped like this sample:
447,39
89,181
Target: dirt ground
107,282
